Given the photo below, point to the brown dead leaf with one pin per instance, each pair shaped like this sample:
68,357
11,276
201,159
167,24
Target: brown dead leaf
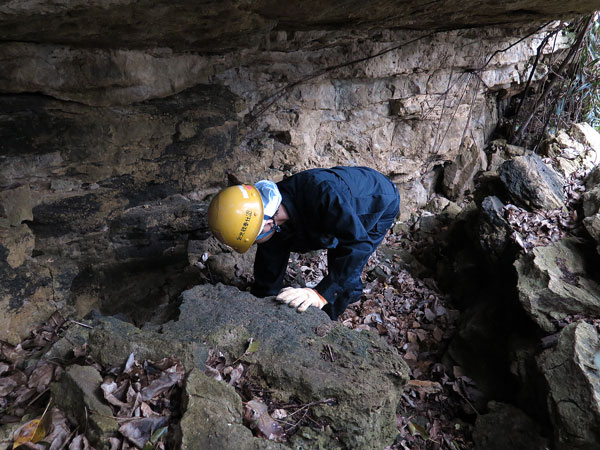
109,387
146,410
115,443
257,416
30,432
7,385
215,358
425,387
161,384
41,376
130,363
44,338
236,374
59,429
23,395
164,364
3,368
213,373
139,431
133,401
80,442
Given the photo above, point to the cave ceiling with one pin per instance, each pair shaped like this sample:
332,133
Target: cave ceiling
215,26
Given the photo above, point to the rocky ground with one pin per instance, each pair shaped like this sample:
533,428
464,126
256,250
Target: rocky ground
486,304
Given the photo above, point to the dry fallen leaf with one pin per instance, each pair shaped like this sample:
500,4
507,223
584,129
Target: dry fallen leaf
139,431
41,376
425,387
108,388
213,373
129,364
257,416
3,368
32,431
59,430
161,384
80,442
7,385
236,374
279,414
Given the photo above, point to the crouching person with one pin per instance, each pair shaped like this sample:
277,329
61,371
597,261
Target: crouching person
346,210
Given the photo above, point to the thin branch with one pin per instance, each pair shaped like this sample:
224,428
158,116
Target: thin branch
327,401
572,51
539,52
537,30
80,324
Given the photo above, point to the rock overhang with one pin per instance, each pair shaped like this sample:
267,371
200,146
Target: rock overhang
219,26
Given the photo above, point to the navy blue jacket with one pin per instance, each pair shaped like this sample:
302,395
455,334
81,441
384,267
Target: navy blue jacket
347,210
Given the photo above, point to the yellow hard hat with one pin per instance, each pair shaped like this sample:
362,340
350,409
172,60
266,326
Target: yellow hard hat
235,216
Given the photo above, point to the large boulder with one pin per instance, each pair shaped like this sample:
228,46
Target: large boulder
305,357
571,370
532,183
507,427
553,282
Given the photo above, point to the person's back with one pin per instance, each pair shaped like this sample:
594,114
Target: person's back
348,211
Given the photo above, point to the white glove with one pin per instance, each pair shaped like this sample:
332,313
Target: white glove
301,298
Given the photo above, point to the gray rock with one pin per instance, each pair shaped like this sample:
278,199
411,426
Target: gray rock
220,26
414,197
494,230
15,205
26,285
532,183
113,340
366,375
499,151
74,336
571,370
588,136
591,201
78,394
553,282
213,418
492,209
458,176
592,225
591,206
593,178
507,427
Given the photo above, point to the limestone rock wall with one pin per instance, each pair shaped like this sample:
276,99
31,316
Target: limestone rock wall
109,112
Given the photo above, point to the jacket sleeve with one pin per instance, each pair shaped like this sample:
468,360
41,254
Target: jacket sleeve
269,268
347,259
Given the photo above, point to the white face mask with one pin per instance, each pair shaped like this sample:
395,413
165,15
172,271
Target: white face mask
271,198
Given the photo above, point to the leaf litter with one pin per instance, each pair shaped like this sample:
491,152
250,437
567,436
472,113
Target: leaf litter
144,396
437,406
415,318
265,416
